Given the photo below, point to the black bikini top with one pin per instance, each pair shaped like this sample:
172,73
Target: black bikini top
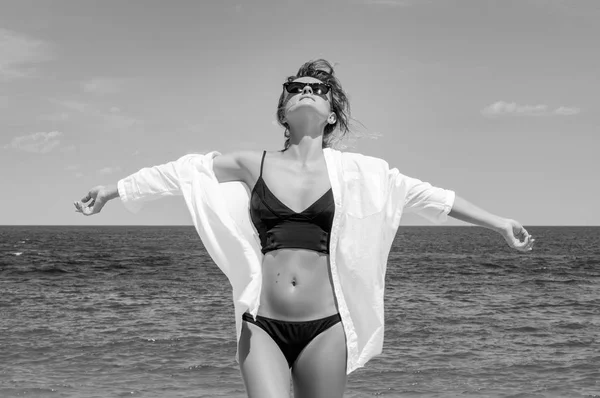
280,227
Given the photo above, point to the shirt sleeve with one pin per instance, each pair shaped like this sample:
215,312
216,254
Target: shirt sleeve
419,197
151,183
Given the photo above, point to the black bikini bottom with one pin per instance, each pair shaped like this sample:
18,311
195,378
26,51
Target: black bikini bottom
292,336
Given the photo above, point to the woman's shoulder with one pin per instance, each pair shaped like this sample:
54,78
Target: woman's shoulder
236,165
250,159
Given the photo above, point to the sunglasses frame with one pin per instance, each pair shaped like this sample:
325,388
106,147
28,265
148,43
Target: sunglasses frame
285,86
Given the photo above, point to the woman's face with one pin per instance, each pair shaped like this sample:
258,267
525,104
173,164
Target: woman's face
307,105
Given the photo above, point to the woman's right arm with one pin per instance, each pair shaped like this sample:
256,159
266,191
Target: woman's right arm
154,182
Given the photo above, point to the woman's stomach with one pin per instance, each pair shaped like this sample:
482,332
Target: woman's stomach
296,286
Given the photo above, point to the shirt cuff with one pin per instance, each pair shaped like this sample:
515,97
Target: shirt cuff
127,199
447,206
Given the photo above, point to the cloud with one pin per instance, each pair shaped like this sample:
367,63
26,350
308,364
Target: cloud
566,111
501,108
102,85
115,121
109,170
111,119
36,143
19,55
374,135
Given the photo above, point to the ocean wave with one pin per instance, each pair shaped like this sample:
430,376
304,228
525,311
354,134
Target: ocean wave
45,270
525,329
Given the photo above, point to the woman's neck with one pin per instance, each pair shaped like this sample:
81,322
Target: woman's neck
305,150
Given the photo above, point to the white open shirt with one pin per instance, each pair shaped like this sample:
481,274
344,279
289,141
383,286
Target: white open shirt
369,201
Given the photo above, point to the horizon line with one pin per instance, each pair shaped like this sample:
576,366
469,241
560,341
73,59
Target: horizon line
191,225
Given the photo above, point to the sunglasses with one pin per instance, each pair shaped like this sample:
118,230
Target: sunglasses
297,87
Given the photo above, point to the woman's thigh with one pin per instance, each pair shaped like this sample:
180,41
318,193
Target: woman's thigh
264,369
320,370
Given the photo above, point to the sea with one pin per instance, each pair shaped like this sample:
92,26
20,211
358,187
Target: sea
142,311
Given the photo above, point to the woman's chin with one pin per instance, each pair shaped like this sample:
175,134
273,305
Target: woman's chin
307,108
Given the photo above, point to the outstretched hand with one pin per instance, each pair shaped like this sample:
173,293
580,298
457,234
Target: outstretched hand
97,198
517,236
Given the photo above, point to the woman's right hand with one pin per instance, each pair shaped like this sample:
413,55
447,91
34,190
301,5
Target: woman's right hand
97,198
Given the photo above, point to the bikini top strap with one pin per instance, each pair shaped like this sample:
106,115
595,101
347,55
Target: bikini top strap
261,162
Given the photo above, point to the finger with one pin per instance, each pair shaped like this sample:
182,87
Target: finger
521,245
524,234
515,244
85,210
86,197
528,245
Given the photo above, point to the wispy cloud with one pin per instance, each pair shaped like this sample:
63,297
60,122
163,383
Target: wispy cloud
117,121
109,170
76,169
41,142
102,85
19,55
501,108
109,119
566,111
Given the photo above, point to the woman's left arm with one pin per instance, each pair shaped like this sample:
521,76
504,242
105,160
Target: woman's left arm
512,231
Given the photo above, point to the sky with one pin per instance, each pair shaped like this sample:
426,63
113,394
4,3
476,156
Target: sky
496,100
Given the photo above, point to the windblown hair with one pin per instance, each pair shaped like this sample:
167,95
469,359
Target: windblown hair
322,70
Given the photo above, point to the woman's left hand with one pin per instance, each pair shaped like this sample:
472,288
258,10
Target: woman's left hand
517,236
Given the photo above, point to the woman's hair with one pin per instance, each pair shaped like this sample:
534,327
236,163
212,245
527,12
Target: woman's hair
322,70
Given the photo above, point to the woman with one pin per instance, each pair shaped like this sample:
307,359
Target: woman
306,254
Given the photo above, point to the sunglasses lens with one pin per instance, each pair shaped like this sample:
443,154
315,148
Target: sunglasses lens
294,88
319,89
